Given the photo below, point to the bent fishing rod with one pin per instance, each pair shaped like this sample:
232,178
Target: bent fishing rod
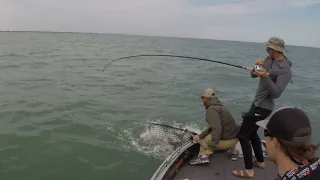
187,57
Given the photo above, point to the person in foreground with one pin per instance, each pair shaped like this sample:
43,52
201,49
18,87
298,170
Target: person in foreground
288,143
222,130
272,84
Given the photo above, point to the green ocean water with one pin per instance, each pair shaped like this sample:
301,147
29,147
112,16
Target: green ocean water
63,118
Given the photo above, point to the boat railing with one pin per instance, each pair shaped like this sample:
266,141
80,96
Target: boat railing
173,155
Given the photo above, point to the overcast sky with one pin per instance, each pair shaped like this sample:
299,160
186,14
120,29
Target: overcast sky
296,21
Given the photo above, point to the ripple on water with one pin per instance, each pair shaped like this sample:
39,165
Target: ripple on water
8,55
31,117
13,66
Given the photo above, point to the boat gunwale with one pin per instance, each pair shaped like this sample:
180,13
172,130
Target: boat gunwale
171,160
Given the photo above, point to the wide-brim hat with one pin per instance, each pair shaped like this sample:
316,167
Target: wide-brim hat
276,44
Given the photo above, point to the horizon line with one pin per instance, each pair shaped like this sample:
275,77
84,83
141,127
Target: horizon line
46,31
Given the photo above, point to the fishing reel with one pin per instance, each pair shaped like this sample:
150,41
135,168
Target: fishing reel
258,68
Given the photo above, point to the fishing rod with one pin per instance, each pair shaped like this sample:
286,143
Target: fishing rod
187,57
171,127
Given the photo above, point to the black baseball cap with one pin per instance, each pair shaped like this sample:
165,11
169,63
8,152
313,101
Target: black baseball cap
285,123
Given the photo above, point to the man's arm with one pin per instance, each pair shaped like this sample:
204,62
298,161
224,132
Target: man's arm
276,89
205,133
213,119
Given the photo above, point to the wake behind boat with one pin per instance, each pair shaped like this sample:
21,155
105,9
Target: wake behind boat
176,167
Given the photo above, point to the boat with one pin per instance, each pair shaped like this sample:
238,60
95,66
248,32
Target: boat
176,167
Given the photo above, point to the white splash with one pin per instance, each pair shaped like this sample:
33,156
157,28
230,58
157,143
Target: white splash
158,145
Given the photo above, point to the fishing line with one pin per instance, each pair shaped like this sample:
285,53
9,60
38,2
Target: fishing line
187,57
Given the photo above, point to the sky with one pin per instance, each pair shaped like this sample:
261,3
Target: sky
296,21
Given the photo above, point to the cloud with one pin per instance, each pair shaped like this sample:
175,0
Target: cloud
251,20
305,3
245,7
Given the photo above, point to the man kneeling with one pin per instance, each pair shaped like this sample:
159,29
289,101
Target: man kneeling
222,130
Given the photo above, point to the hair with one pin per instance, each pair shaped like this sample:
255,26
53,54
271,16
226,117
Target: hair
301,150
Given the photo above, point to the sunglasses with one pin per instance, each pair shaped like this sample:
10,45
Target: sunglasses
266,133
268,49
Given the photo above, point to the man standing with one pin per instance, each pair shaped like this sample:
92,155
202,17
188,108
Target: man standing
222,131
271,85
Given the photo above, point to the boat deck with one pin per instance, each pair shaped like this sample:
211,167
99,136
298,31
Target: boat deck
221,167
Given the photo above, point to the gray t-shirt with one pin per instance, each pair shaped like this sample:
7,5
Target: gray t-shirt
272,86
